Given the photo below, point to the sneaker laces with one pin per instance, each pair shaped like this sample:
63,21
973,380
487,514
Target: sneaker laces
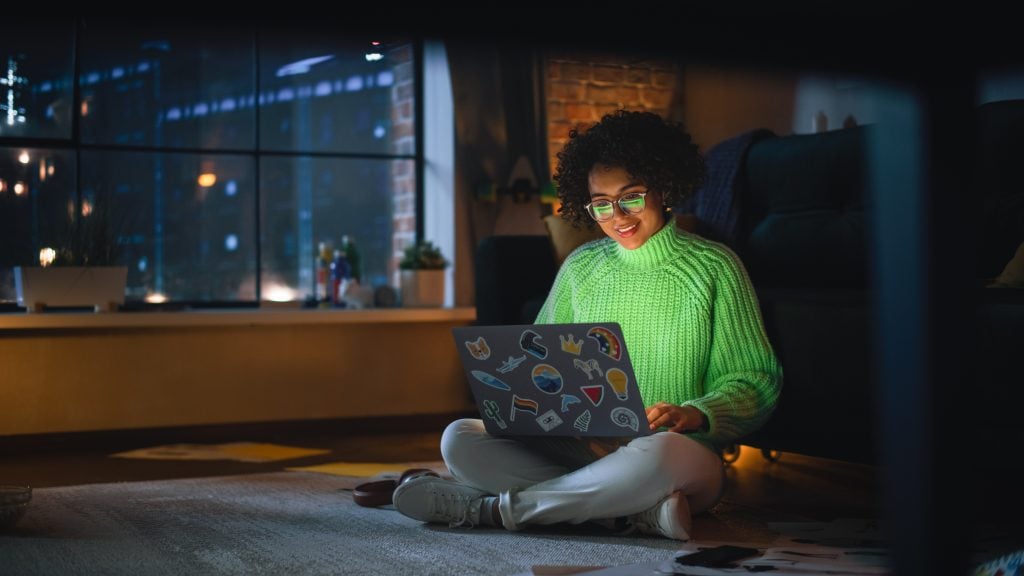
450,504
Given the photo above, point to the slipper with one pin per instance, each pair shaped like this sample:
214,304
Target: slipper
379,492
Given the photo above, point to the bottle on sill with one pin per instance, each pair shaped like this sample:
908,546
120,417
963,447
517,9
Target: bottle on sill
341,273
322,275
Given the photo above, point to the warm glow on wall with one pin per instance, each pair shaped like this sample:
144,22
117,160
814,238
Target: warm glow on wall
20,188
24,158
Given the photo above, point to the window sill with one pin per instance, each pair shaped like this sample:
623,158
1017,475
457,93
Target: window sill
247,317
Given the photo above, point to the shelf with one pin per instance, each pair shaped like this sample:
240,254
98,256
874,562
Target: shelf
213,318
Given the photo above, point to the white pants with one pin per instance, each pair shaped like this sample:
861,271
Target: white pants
547,481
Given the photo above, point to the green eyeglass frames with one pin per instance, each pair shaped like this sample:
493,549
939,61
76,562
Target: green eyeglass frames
604,210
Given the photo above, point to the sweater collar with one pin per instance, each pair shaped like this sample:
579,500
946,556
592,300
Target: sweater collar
660,248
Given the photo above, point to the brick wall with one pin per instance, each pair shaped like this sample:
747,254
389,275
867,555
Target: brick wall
581,88
403,141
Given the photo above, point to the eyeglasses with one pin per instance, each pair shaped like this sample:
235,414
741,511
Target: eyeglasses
604,210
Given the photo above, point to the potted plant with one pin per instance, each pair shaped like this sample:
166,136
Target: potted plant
423,275
82,270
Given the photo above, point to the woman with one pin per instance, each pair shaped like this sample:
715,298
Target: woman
690,317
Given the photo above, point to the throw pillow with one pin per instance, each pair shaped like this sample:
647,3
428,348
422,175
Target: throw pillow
565,238
1013,274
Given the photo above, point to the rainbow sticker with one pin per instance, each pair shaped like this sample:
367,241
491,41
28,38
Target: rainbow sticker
607,342
547,378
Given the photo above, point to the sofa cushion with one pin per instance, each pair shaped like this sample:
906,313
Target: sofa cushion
804,221
565,237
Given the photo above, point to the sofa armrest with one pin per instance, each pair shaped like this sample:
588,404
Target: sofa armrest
512,271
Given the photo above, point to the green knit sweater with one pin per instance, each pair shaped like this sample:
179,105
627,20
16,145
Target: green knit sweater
691,322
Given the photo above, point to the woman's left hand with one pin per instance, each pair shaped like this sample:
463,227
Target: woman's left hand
675,418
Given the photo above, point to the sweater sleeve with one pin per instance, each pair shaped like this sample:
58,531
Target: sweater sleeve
744,378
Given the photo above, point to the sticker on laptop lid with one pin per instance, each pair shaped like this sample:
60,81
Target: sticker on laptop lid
571,345
588,367
594,393
607,342
547,378
618,381
478,349
492,411
522,405
548,421
511,364
626,418
528,342
490,380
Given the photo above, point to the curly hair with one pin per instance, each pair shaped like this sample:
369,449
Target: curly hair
658,153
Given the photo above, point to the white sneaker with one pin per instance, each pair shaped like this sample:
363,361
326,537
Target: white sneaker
431,499
669,518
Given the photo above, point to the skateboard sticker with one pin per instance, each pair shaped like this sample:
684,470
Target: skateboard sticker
490,380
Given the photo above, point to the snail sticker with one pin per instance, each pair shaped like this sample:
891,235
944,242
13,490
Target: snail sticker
547,378
479,349
528,342
490,380
607,342
626,418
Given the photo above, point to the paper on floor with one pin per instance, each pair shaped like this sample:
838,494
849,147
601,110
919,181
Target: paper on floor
238,451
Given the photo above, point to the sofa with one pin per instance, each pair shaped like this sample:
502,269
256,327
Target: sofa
800,223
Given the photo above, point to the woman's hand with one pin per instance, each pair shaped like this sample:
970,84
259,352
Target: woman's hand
675,418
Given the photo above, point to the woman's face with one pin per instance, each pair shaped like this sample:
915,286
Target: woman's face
629,230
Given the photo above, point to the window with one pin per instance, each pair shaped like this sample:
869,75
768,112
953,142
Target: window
224,156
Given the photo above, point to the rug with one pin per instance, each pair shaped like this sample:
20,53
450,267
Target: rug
291,523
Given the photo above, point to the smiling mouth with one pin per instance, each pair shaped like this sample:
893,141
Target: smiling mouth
628,230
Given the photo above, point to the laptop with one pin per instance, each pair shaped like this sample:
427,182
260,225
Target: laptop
552,379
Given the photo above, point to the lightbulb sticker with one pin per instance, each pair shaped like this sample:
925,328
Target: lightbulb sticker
618,381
